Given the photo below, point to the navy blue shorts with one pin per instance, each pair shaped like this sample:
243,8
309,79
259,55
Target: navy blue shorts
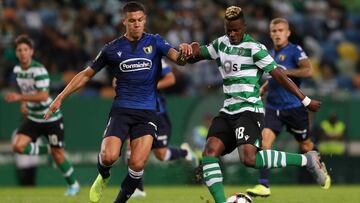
163,131
130,123
53,131
296,121
238,129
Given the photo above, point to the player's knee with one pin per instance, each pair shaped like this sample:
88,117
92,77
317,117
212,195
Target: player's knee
306,146
249,161
160,156
17,148
108,158
137,165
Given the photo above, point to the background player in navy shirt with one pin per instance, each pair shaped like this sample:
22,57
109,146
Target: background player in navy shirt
160,147
282,107
134,60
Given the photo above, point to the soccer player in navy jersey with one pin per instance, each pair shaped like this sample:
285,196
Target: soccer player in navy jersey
134,60
283,108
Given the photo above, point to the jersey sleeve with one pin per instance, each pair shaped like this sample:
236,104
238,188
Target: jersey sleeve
42,80
299,54
165,68
162,45
100,60
210,51
262,58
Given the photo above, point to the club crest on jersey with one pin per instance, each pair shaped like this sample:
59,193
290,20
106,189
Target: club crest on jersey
148,50
281,57
135,64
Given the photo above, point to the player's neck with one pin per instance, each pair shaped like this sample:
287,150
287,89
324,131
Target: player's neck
25,65
130,38
280,46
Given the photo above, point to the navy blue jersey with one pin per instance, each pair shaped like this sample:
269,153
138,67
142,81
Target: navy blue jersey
278,97
161,100
136,67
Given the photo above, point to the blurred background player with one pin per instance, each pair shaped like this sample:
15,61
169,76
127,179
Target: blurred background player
332,133
160,145
242,61
134,60
282,107
33,80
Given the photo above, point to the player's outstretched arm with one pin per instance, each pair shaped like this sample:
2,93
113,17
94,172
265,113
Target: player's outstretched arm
196,54
179,57
304,69
76,83
38,97
279,75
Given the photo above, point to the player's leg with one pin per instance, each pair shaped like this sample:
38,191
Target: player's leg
273,158
219,141
55,135
109,153
28,132
142,130
115,134
140,150
67,170
263,188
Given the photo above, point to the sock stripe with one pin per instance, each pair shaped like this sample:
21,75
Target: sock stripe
283,161
303,160
276,159
209,166
262,157
268,153
134,174
207,174
32,151
69,172
213,181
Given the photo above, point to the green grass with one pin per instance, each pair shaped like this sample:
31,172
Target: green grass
186,194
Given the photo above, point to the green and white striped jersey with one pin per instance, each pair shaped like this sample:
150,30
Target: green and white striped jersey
241,67
31,81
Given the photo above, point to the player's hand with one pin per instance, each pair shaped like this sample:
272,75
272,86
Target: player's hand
23,108
185,49
314,105
54,106
12,97
195,46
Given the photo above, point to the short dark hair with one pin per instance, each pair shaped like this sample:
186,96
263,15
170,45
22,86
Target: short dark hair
234,13
24,39
133,7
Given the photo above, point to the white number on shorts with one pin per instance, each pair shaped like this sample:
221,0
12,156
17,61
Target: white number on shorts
239,132
53,139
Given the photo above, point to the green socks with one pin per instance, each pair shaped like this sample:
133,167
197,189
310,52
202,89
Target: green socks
68,172
213,178
277,159
34,149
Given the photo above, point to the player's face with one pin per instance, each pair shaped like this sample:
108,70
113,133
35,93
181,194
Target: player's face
24,53
279,34
135,24
235,30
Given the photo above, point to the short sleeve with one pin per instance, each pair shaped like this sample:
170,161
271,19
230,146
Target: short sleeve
210,51
100,60
262,58
42,80
299,54
165,68
162,45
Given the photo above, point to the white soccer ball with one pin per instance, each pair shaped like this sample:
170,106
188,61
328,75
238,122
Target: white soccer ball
239,198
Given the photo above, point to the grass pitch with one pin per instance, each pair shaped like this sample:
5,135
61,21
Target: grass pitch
186,194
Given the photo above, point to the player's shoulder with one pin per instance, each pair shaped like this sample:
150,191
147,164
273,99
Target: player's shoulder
295,47
250,43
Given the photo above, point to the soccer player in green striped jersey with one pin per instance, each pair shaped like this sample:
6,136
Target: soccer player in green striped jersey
33,81
242,61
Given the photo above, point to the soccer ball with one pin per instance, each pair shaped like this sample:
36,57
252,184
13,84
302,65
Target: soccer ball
239,198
